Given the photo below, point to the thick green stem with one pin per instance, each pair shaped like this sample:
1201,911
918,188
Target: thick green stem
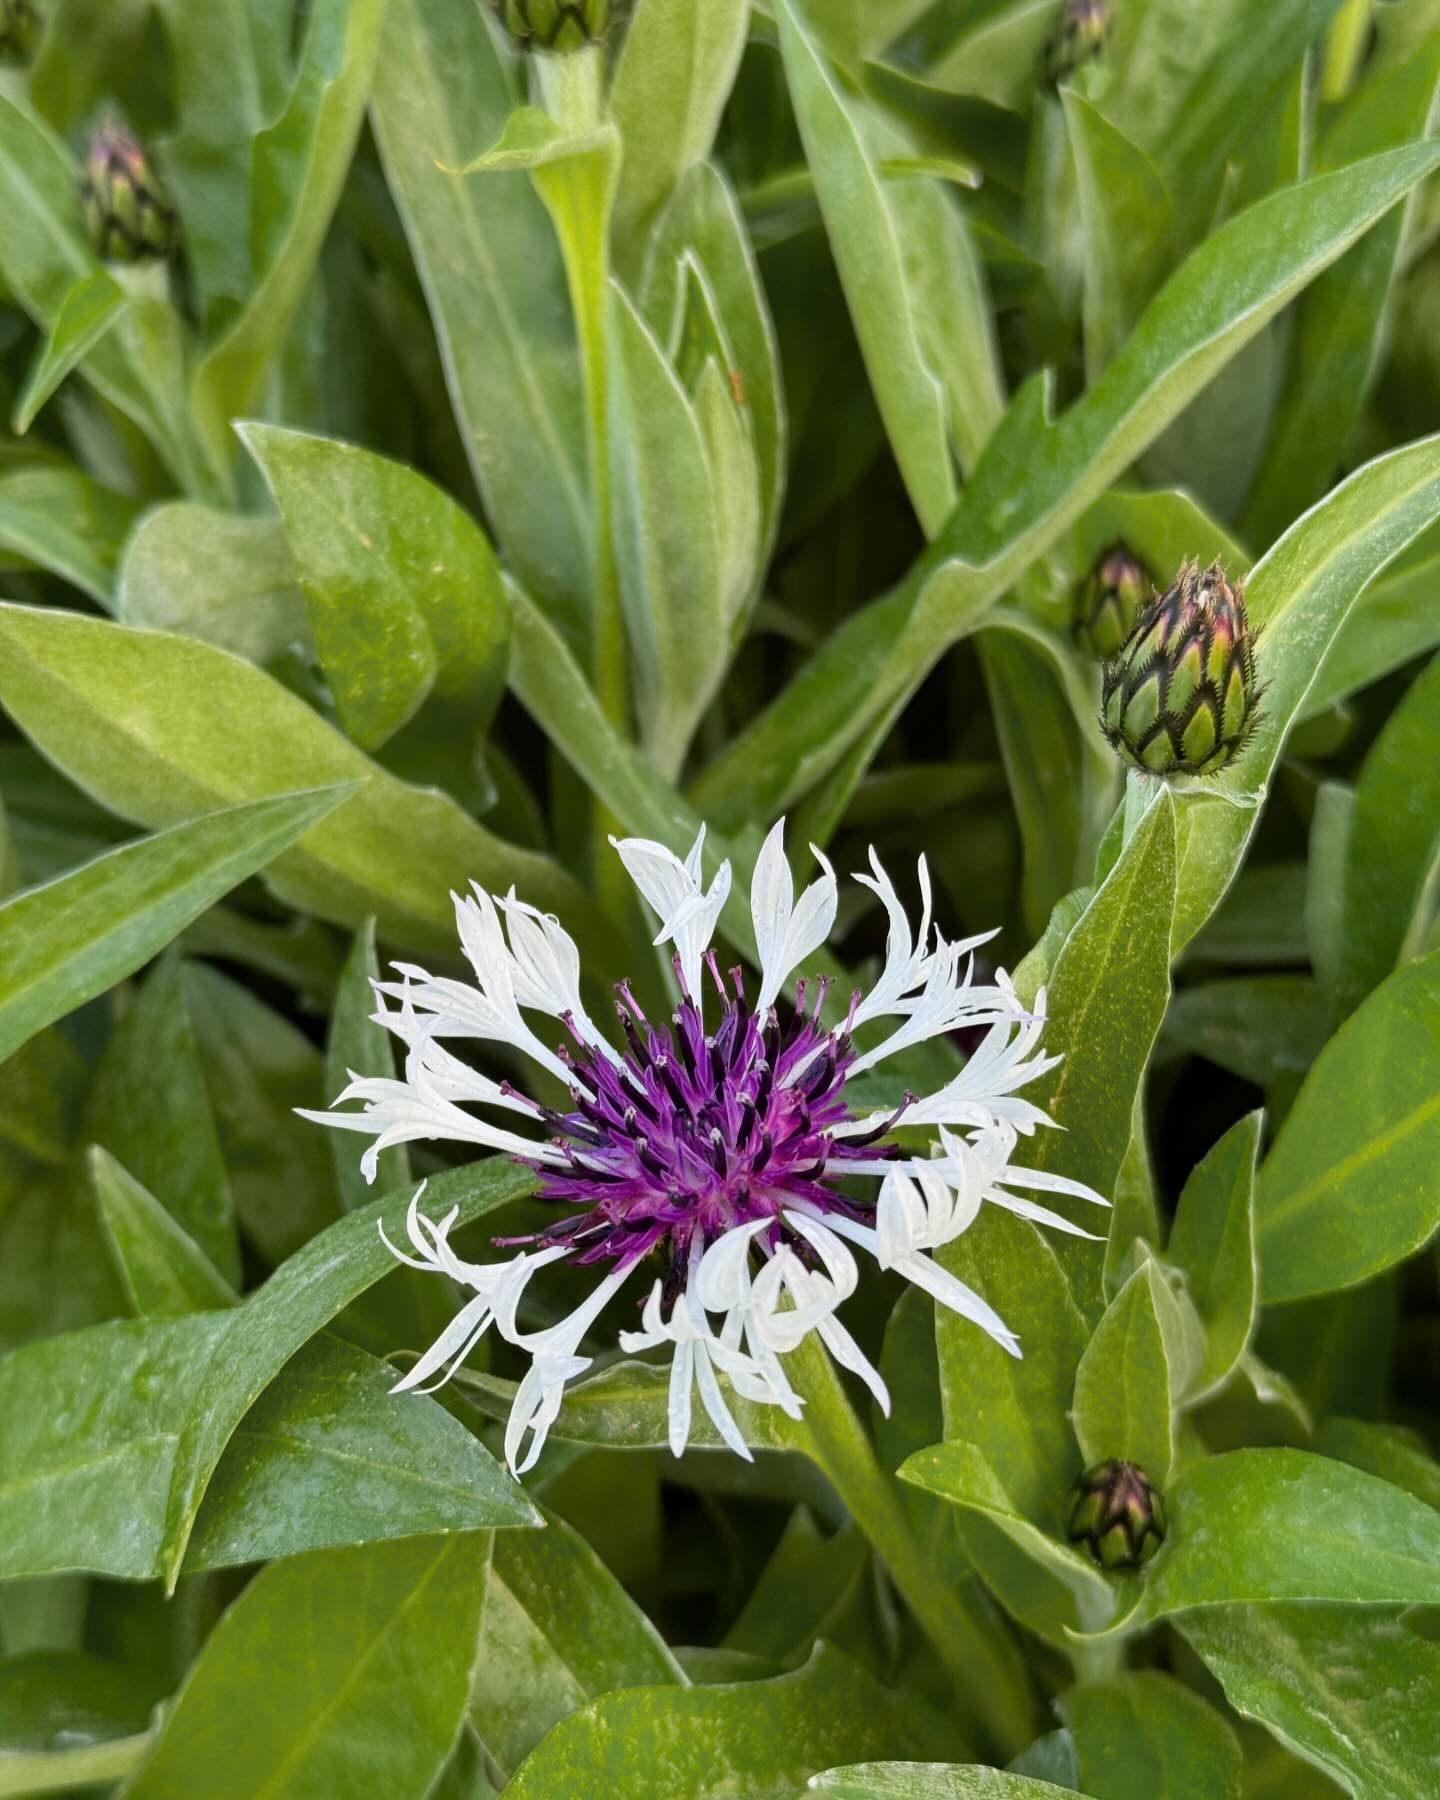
578,191
988,1672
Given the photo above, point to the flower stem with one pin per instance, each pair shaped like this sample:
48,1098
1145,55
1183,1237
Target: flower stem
987,1669
578,192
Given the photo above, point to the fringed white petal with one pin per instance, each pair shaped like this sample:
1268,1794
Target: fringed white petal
786,933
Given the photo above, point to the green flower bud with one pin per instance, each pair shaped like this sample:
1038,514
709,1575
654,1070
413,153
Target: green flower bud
1080,37
1109,601
19,27
127,212
555,24
1181,697
1118,1514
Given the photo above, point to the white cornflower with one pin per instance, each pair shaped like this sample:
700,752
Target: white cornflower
713,1144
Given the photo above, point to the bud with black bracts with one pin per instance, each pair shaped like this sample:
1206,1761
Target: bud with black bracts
1109,601
127,211
19,27
1181,697
1079,37
555,24
1118,1514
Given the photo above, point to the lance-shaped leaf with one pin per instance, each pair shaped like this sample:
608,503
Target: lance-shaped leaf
1125,1389
491,267
63,943
164,1271
1146,1736
86,313
1213,1243
377,1640
159,728
1359,1147
1037,477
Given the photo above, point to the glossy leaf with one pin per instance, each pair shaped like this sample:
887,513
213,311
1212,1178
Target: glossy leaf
1262,1525
558,1631
358,1046
1355,1693
149,1107
164,1271
377,1639
402,588
1213,1243
151,724
1125,1391
929,1781
1393,843
75,937
1146,1736
755,1738
1360,1143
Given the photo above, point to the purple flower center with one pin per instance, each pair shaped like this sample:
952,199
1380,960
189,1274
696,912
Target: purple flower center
695,1132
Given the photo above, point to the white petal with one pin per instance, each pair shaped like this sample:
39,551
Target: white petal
678,1410
451,1348
714,1403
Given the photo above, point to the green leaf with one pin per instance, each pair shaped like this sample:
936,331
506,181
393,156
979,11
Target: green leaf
755,1739
1125,1393
865,238
60,520
491,268
1048,1586
258,1068
1360,1143
1148,1737
676,69
329,1455
317,1451
1390,859
402,588
161,727
1015,1410
149,1107
378,1641
1036,478
232,71
208,574
1388,1451
1213,1243
1129,226
1260,1525
86,313
1263,1028
164,1271
1299,595
666,538
311,1288
78,935
299,163
1355,1693
68,1720
1335,346
1106,999
929,1781
702,224
1391,623
558,1631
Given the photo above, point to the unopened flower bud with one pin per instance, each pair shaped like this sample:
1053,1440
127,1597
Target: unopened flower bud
1181,697
555,24
1079,37
1109,601
127,212
19,27
1118,1514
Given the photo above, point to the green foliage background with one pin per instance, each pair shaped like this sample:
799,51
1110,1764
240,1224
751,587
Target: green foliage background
710,425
